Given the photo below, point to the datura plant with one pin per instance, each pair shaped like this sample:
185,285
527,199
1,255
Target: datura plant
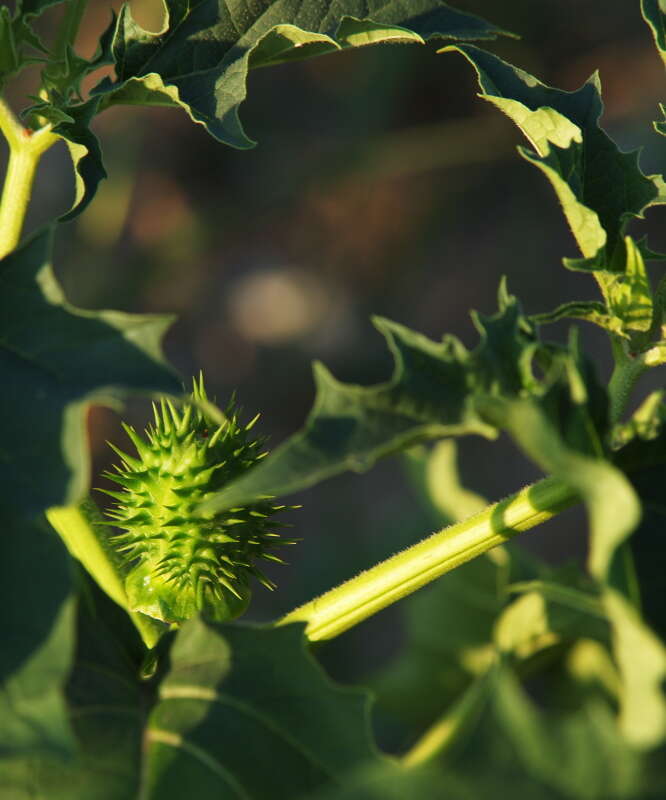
125,673
182,561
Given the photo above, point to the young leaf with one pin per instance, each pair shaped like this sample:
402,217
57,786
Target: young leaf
16,31
72,123
234,685
629,295
589,311
9,56
599,187
57,361
201,58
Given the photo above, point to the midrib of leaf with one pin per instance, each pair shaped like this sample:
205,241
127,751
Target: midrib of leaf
29,358
175,740
198,693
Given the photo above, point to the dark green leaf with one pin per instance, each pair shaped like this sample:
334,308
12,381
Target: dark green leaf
23,31
442,389
107,705
85,153
579,753
598,186
37,620
72,123
57,361
654,13
9,57
32,8
392,782
201,59
350,427
246,712
61,79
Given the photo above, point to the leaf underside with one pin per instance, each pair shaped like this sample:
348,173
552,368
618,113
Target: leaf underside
201,59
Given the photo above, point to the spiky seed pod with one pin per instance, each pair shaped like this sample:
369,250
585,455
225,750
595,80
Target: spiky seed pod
179,561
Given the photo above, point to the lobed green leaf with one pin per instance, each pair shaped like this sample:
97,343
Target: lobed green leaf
57,361
599,187
229,686
442,390
654,13
37,618
200,60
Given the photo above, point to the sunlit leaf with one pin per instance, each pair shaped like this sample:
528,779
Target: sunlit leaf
641,659
654,13
201,58
598,186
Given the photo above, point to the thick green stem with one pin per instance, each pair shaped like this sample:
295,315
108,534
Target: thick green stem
361,597
25,150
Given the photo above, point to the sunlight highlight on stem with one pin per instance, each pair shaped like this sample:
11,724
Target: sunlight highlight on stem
359,598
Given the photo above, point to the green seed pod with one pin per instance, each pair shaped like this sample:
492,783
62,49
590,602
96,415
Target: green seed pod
179,561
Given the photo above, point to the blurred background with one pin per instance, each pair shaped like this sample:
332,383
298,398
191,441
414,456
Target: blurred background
380,185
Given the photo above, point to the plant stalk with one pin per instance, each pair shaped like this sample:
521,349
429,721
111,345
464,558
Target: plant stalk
69,28
25,150
359,598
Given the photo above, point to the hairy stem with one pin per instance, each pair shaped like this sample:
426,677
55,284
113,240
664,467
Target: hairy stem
359,598
10,127
25,150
